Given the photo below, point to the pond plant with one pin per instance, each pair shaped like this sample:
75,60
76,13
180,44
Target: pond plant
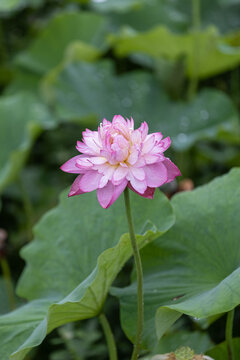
115,158
134,260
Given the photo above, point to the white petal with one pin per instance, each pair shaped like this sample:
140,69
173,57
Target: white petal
103,181
138,173
148,144
132,159
139,186
120,173
84,163
98,160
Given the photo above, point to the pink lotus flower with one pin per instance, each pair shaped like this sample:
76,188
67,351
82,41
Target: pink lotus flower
117,156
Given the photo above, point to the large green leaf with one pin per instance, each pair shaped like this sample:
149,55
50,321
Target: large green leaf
75,257
22,118
204,51
195,268
18,325
137,94
49,48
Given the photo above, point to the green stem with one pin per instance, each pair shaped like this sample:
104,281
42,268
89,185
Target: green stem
138,264
229,330
196,20
8,282
109,337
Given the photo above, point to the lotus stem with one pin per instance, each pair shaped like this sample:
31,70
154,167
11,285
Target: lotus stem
139,272
109,337
229,330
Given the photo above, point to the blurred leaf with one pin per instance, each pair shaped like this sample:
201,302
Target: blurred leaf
12,5
4,301
120,6
73,263
224,14
194,268
143,15
22,118
48,49
220,352
137,94
23,80
204,51
60,355
83,342
196,340
79,51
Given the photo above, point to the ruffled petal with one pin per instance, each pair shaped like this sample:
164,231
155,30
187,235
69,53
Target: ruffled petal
118,119
90,181
103,181
143,129
84,163
83,148
75,189
120,173
172,170
130,124
70,166
133,157
107,195
149,192
156,174
158,136
138,173
148,143
166,143
139,185
118,189
91,140
98,160
151,159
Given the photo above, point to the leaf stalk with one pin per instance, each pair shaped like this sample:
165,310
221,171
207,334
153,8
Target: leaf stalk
109,337
229,330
